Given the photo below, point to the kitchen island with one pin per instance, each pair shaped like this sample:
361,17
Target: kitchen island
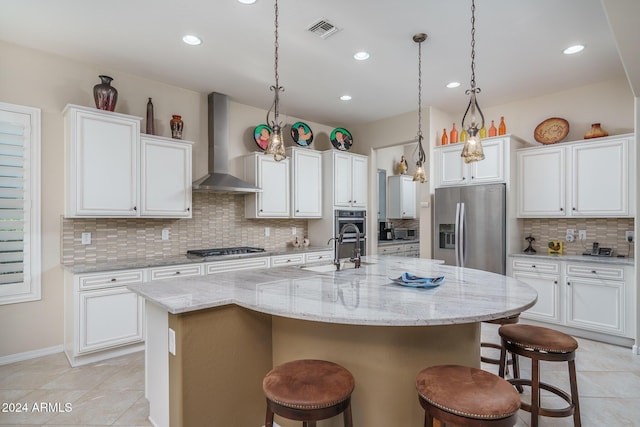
227,330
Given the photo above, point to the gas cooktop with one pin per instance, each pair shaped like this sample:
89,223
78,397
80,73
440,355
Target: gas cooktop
224,251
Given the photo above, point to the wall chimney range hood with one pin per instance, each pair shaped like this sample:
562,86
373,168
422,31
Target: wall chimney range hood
218,179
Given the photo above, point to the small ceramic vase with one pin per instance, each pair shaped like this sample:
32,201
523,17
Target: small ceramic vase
105,95
296,242
305,242
596,132
176,124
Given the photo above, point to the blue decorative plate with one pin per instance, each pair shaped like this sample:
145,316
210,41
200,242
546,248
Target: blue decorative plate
417,282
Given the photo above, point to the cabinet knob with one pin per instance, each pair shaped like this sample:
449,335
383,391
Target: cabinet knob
573,209
473,177
464,177
114,279
555,282
568,283
177,272
561,209
593,271
355,201
533,266
297,210
135,208
188,209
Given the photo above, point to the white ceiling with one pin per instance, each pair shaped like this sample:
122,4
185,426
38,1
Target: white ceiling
518,49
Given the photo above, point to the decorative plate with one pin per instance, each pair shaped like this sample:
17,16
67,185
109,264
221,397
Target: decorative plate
551,130
341,139
261,135
422,282
301,134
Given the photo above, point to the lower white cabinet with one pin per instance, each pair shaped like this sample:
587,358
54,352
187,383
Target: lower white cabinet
594,297
321,256
102,317
400,249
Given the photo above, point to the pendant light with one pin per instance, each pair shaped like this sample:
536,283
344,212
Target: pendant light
419,174
276,141
472,150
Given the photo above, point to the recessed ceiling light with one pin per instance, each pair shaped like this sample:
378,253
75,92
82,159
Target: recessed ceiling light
345,97
247,1
451,85
361,56
191,40
573,49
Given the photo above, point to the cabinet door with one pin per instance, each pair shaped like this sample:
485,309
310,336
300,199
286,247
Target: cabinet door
165,178
103,169
109,318
491,169
359,182
306,184
600,183
273,178
595,304
547,308
450,168
342,176
402,197
541,182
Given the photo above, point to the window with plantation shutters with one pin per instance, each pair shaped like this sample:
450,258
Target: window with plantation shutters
19,204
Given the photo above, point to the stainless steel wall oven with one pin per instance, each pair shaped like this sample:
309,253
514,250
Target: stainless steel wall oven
357,218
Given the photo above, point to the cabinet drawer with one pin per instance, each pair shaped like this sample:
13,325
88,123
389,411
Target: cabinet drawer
175,271
391,250
104,280
535,265
280,260
237,264
595,272
318,257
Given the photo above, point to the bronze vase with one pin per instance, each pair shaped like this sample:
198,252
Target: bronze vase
105,95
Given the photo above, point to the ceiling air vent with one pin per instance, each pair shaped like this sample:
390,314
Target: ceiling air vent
323,28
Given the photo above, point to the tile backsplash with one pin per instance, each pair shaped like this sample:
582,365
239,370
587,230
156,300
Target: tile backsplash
218,221
608,232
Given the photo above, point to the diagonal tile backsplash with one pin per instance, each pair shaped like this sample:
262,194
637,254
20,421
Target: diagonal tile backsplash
218,221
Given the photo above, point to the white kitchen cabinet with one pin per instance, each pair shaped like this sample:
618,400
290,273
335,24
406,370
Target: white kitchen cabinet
400,249
306,182
595,298
592,297
320,256
101,174
102,317
237,264
345,174
113,171
401,197
592,178
288,259
451,170
274,179
173,271
165,177
544,277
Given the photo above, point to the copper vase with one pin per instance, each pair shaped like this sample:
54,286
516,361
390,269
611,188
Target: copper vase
105,95
595,132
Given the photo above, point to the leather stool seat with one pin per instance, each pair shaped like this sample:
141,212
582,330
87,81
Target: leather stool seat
308,391
466,396
542,344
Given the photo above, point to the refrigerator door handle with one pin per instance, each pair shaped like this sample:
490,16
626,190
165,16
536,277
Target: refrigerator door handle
457,242
462,238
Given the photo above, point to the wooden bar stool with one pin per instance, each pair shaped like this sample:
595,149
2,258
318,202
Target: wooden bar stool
538,343
308,391
466,397
514,359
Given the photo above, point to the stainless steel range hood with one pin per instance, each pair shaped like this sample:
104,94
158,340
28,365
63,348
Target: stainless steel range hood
218,179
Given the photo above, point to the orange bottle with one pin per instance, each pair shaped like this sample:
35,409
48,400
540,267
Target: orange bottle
492,130
444,137
502,128
453,136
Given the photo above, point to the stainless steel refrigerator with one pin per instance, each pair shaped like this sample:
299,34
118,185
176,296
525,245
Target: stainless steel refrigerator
470,226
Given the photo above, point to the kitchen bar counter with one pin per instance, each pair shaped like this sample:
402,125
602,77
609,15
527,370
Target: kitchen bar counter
227,330
611,260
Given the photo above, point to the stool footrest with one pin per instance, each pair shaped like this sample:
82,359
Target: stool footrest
546,412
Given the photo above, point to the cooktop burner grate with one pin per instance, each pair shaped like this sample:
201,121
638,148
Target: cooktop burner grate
224,251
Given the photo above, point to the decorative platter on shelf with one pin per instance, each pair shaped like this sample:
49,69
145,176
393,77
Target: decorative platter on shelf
552,130
301,134
341,139
261,135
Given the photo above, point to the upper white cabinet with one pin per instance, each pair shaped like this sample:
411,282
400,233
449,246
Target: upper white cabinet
594,178
273,178
346,175
101,174
451,170
112,172
165,177
306,182
402,197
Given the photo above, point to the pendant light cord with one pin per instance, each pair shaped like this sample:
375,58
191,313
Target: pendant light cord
276,88
419,38
473,45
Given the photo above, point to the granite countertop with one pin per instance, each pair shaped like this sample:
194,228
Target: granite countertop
363,296
182,259
397,242
578,258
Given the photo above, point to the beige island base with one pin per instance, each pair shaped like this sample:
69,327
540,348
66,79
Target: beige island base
232,328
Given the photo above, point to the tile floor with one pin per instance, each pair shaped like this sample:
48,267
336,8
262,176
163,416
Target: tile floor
111,393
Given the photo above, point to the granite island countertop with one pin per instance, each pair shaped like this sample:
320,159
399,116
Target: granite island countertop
364,296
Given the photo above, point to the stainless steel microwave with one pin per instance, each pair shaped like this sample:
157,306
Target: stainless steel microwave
406,233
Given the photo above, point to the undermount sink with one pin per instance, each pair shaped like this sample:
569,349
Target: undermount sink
324,268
